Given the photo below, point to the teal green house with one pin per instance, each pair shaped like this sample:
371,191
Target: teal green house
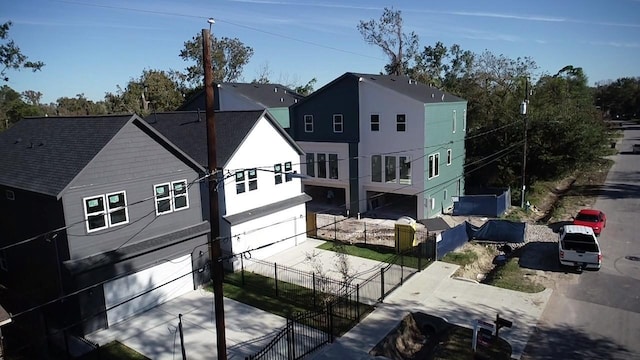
375,143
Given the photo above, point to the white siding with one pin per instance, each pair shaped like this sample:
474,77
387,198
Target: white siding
262,148
283,229
387,104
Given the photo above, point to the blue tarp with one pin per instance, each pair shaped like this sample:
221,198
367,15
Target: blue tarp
498,231
451,240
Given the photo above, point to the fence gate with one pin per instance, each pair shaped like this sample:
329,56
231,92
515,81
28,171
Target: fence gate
312,224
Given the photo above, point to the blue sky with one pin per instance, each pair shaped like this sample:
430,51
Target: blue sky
92,46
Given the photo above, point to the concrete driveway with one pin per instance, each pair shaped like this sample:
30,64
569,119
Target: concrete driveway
154,333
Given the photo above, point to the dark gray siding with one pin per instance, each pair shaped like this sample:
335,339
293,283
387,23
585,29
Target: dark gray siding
131,162
338,98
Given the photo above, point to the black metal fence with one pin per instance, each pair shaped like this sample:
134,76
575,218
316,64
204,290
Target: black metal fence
342,307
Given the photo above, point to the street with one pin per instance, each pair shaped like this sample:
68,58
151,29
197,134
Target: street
599,317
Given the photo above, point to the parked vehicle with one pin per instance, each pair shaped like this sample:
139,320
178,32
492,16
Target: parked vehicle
578,247
592,218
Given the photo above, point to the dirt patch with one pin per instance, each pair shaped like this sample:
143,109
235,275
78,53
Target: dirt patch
478,269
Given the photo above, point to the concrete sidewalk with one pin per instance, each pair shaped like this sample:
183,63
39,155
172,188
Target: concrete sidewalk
435,292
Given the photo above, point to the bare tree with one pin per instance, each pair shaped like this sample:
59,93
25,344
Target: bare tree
388,35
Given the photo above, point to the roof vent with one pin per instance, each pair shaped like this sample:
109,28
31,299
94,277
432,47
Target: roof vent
442,97
433,95
410,81
18,140
275,89
199,119
281,99
42,143
295,100
360,79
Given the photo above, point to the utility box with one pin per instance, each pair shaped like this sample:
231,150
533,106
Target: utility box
405,234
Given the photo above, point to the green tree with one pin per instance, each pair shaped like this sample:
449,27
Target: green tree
80,105
154,90
13,108
10,55
387,34
228,58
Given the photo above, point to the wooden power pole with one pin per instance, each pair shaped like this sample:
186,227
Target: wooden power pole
215,250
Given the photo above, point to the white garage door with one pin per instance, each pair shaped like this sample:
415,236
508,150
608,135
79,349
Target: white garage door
137,287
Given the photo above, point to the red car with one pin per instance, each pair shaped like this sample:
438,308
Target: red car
592,218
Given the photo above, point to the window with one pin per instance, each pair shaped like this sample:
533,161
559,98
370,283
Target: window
252,174
338,123
103,211
117,205
375,122
171,197
448,157
454,116
432,203
322,165
288,170
240,182
10,195
311,164
464,120
376,168
95,214
308,123
390,169
434,165
333,166
277,169
405,170
401,122
180,196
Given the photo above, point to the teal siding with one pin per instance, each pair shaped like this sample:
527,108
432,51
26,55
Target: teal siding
281,115
439,137
338,98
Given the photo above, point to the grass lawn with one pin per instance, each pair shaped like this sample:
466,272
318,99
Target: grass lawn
387,255
511,276
461,258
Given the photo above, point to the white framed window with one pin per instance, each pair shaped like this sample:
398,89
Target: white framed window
288,170
434,165
405,170
277,169
240,179
311,164
163,198
252,175
180,196
10,195
118,214
338,123
95,213
376,168
464,120
375,122
390,169
432,203
308,123
453,121
171,197
449,157
401,122
333,166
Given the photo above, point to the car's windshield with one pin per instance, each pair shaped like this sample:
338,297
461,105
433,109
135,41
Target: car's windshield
587,217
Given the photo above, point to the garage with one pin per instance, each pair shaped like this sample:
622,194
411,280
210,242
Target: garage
170,279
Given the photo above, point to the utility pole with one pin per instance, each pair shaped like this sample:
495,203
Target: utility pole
523,111
215,250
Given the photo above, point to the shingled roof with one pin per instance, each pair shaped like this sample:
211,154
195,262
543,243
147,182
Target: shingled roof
188,131
44,154
263,95
410,87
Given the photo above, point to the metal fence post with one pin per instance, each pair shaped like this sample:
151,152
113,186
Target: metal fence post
313,277
381,284
330,320
358,302
365,232
242,269
401,268
335,229
275,277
